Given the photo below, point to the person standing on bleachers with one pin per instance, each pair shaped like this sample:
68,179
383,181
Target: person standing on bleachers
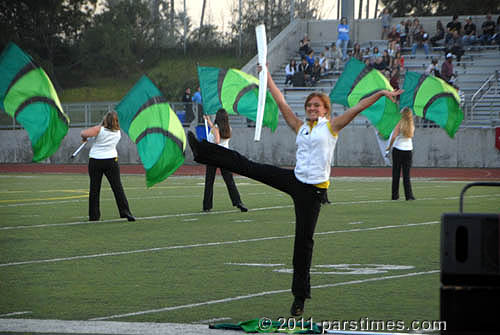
469,32
488,28
343,37
447,69
452,26
385,17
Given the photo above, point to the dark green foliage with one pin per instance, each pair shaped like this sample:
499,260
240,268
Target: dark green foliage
400,8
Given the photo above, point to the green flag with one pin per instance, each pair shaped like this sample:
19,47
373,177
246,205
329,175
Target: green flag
265,325
150,122
432,99
235,91
28,96
359,81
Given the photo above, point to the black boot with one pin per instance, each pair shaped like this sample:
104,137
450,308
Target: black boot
297,308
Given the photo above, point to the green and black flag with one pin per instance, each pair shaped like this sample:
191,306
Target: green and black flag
235,91
147,118
28,96
432,99
359,81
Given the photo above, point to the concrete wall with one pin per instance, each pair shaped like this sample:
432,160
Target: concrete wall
357,146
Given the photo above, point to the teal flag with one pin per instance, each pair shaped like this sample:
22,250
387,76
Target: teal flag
359,81
151,123
433,99
28,96
237,92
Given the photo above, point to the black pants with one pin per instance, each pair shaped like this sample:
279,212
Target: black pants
111,169
209,187
401,160
306,198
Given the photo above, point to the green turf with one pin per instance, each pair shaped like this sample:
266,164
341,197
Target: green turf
176,259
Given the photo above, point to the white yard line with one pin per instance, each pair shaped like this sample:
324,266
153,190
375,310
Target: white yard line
210,244
260,294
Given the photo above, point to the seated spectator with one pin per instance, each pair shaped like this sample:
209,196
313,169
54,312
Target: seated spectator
290,70
394,79
451,27
439,35
386,59
469,32
433,68
375,54
337,57
394,40
407,34
414,29
496,36
455,46
357,52
447,69
402,31
316,71
488,28
304,46
398,61
310,57
421,39
324,63
303,75
379,64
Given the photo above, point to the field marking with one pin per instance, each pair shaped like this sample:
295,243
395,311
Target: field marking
209,244
260,294
15,313
48,225
49,199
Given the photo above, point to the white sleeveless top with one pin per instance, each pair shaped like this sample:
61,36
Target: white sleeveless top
224,142
314,155
105,144
403,143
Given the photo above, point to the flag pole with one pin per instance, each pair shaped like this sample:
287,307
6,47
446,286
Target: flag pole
77,151
260,32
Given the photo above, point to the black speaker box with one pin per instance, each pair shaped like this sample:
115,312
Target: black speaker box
469,310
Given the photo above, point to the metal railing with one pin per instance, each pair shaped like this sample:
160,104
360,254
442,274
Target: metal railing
490,84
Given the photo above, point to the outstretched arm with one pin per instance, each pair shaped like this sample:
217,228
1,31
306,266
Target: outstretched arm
291,119
339,122
90,132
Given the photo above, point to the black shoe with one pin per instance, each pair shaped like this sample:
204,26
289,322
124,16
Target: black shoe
411,198
206,210
129,217
242,207
297,308
193,143
93,219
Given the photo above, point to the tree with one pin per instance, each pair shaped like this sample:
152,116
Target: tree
400,8
45,28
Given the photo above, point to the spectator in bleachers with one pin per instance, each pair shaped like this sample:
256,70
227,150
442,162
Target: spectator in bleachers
378,64
414,29
316,71
401,29
469,32
488,28
386,59
394,80
304,46
421,41
343,36
290,70
336,57
375,53
310,57
496,37
407,34
385,17
394,40
366,54
439,35
456,46
357,52
188,106
304,73
324,63
447,69
433,68
452,26
397,60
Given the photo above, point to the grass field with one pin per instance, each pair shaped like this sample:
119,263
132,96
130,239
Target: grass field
177,264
